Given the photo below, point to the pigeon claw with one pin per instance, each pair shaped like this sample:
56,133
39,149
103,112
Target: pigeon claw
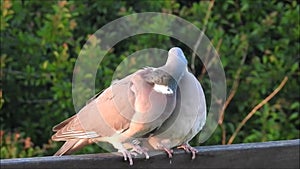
169,152
137,148
188,149
127,155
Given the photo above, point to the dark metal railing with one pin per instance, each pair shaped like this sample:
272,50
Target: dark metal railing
274,154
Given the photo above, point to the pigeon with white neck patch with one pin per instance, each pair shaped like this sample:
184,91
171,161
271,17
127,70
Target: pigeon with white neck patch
130,108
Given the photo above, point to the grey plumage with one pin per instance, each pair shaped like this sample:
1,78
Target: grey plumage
186,121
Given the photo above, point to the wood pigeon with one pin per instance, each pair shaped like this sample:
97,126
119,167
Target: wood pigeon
130,108
185,122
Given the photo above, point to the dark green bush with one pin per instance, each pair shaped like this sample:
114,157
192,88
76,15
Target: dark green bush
40,41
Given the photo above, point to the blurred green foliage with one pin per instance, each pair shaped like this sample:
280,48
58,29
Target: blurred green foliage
16,145
40,41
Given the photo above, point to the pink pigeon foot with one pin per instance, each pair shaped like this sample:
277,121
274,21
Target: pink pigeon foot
137,148
127,155
169,152
188,149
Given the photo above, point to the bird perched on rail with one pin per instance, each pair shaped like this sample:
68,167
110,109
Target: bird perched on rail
186,121
130,108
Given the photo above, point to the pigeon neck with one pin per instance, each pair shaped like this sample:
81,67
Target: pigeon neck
176,71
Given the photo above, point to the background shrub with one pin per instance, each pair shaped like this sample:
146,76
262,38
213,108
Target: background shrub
258,42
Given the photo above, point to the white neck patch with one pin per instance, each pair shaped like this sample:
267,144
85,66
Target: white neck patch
162,89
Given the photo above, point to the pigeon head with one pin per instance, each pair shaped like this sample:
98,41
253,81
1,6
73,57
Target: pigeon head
176,56
176,63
